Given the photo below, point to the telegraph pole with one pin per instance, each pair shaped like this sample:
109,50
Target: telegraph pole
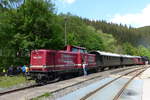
65,31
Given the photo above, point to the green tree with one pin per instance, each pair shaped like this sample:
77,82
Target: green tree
32,25
129,49
144,51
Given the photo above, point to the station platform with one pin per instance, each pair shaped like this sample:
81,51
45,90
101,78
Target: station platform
139,88
145,77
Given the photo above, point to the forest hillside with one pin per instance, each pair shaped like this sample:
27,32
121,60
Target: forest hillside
34,24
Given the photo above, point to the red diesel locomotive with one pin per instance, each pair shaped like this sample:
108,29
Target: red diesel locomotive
48,65
51,64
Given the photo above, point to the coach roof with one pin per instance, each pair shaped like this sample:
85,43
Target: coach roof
107,53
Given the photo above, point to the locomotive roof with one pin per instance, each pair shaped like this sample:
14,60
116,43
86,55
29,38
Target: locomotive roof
42,50
78,47
75,47
108,54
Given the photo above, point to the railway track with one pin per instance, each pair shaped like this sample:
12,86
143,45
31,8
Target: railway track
35,85
24,88
87,96
18,89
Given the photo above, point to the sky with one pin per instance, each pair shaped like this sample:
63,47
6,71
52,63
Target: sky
135,13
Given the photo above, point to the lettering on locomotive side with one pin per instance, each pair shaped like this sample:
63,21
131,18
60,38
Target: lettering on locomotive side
68,62
66,58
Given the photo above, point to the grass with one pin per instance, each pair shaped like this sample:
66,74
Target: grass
42,96
9,81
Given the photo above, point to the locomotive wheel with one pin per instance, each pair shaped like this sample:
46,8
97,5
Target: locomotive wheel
58,78
40,82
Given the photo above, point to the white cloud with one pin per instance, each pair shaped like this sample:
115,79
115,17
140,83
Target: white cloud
68,1
137,20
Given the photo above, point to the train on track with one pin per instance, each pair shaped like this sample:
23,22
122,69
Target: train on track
46,65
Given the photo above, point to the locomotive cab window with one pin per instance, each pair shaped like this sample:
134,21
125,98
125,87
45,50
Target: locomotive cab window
75,50
83,51
79,50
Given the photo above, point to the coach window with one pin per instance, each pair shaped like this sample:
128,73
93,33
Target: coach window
107,57
104,57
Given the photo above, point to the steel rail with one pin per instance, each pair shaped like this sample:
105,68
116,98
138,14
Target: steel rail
126,84
23,88
103,86
19,89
